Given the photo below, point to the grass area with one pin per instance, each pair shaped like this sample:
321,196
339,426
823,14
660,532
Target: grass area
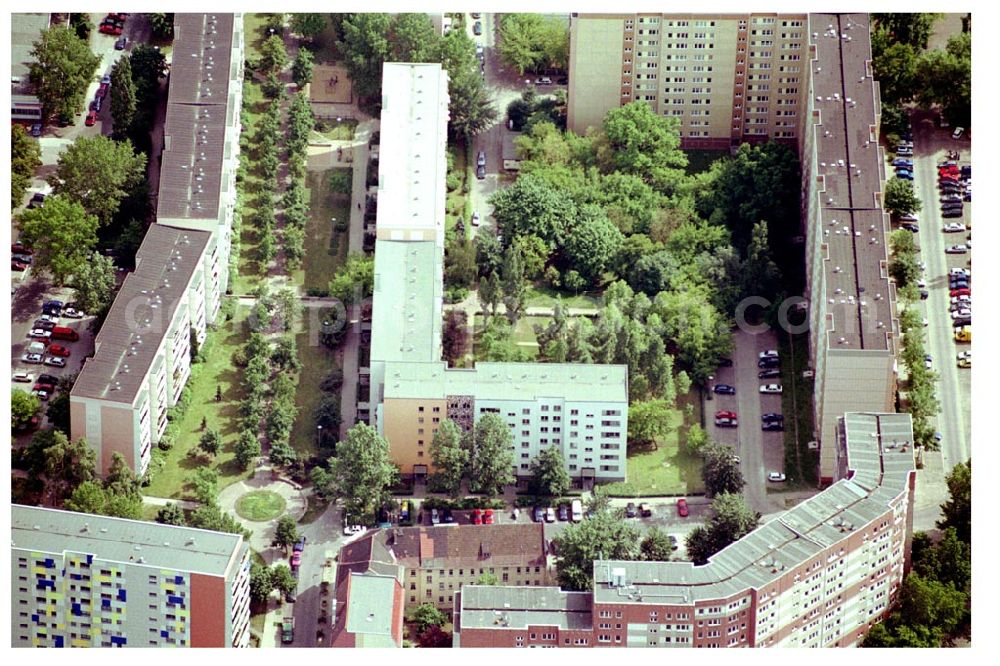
542,296
700,160
668,469
216,371
253,25
800,462
334,131
326,248
249,273
149,512
260,505
317,362
457,201
524,333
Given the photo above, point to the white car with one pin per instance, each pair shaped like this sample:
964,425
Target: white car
909,217
435,517
952,227
959,314
959,272
24,376
49,318
775,476
40,333
956,249
965,354
960,299
770,388
957,134
55,361
73,313
770,353
32,358
475,219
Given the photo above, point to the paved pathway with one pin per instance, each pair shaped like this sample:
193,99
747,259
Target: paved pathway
163,501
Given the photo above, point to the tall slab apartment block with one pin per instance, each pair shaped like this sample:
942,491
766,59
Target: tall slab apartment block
81,580
582,409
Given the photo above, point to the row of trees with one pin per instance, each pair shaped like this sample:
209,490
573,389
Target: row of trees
484,455
533,42
296,208
135,87
25,157
368,40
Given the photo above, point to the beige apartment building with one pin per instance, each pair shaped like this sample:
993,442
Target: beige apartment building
727,78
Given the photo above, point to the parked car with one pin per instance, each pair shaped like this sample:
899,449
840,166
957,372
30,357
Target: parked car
121,43
37,200
32,358
769,363
673,541
645,510
477,28
725,414
770,388
776,426
475,218
435,517
91,118
957,134
477,517
961,291
725,362
726,423
36,130
41,393
447,518
563,512
576,511
956,249
538,514
682,508
17,266
924,294
40,333
769,374
543,81
768,417
724,389
769,353
404,511
550,515
488,517
43,324
72,312
23,376
775,476
102,91
952,212
902,162
481,172
904,174
630,510
22,258
911,227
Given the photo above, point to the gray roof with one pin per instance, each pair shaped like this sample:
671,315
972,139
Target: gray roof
25,30
851,165
370,604
406,310
515,607
194,133
880,459
509,381
120,540
126,344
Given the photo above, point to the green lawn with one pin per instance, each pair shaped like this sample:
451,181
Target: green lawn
216,371
326,249
260,505
253,33
317,362
249,270
800,468
457,201
700,160
542,296
666,470
334,131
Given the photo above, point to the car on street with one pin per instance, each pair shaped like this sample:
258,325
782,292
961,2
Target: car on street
768,417
23,376
769,362
477,28
723,389
769,353
725,414
910,226
121,43
563,513
953,227
770,373
481,172
538,514
550,515
630,510
488,517
776,426
956,249
477,517
682,508
726,423
32,358
775,476
957,134
91,118
543,81
645,510
673,541
770,388
40,333
475,218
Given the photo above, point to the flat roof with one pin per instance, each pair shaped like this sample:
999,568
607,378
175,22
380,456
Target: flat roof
134,542
141,314
852,167
879,461
514,607
198,114
25,29
406,312
370,604
576,382
412,145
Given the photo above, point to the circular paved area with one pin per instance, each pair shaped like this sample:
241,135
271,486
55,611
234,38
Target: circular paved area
263,531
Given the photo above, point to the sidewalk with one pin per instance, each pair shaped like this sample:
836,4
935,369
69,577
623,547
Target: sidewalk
163,501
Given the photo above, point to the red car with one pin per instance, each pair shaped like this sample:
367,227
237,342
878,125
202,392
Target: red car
91,119
102,90
58,350
18,266
110,29
19,248
48,388
961,292
682,508
477,517
296,558
488,517
948,178
725,414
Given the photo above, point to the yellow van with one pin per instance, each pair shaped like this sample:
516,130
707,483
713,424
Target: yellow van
963,334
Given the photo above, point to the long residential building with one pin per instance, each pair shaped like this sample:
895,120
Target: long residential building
727,78
821,574
25,30
582,409
82,580
141,359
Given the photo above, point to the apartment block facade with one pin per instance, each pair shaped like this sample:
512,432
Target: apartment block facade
727,78
582,409
81,580
142,353
820,575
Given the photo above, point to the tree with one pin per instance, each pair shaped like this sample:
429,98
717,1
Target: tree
62,66
273,56
533,206
649,421
302,67
487,579
98,173
656,545
900,197
286,354
696,328
491,292
895,66
120,479
170,514
548,473
460,263
211,517
643,143
472,109
309,26
62,234
162,25
57,410
247,449
123,98
513,286
23,406
355,280
533,42
68,463
914,29
905,265
592,244
958,509
434,637
261,582
286,533
95,283
449,457
210,442
283,579
496,343
492,455
362,473
25,157
82,25
455,336
932,604
604,536
426,615
88,497
412,38
365,45
206,483
732,520
948,561
720,470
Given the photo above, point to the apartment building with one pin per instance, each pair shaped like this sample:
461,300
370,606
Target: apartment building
583,409
142,354
25,30
82,580
820,575
727,78
853,329
368,596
